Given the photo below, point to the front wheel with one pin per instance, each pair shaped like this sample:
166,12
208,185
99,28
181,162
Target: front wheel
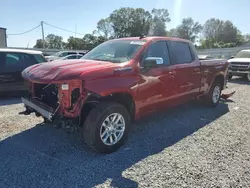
212,99
106,127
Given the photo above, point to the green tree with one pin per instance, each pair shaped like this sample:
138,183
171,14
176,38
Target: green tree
188,29
54,41
104,27
218,34
75,43
212,29
158,26
161,15
39,44
246,37
172,33
130,22
90,41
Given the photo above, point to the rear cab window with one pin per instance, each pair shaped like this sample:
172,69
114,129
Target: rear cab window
180,52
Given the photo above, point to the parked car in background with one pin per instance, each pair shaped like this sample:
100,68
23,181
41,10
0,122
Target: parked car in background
12,63
205,57
73,56
101,94
240,65
62,54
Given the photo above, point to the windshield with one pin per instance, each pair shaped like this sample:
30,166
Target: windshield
243,54
116,51
39,58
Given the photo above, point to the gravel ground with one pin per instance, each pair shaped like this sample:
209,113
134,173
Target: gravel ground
189,146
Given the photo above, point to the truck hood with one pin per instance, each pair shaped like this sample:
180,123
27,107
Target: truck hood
242,60
63,70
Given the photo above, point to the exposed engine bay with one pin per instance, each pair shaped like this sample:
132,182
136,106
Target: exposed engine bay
47,93
59,104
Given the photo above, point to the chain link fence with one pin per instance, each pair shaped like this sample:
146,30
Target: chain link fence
221,52
214,52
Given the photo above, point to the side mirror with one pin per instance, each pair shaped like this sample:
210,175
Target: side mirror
152,62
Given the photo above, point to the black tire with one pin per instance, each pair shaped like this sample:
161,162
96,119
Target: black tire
208,99
93,124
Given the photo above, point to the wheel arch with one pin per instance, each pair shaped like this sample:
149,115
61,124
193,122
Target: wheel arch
219,78
124,98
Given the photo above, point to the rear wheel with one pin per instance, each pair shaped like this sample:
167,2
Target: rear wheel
212,99
106,127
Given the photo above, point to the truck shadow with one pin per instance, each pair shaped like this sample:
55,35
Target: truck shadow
9,100
50,157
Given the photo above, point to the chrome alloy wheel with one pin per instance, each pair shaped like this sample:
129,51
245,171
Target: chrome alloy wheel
112,129
216,94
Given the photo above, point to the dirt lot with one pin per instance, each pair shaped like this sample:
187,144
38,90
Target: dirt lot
189,146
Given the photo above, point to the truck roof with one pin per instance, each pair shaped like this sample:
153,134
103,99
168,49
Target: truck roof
20,51
153,38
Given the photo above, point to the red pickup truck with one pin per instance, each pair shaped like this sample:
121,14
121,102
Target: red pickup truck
119,81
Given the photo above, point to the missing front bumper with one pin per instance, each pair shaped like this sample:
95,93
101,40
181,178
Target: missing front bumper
45,113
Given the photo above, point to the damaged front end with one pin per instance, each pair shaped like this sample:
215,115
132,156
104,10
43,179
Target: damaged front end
55,101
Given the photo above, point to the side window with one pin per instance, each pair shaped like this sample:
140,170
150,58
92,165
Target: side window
180,52
17,61
63,54
71,53
72,57
82,53
158,49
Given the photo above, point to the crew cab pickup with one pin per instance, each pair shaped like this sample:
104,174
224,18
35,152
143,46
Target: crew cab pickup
119,81
240,65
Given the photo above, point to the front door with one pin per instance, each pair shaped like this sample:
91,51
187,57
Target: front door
156,88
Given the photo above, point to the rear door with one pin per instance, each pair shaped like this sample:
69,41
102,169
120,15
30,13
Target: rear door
11,66
156,88
188,69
